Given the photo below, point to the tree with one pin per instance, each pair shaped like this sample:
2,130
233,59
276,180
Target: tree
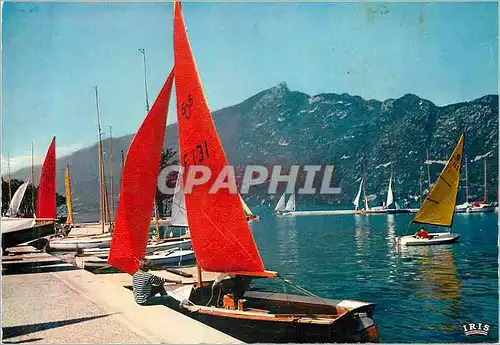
26,207
164,200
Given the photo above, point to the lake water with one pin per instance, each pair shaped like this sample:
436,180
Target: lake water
423,294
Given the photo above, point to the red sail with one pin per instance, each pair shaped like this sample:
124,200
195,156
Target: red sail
220,234
138,188
46,202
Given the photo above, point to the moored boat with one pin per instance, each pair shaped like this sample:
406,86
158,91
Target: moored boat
20,230
222,240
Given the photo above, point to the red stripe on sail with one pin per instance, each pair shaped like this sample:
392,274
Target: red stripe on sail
138,188
220,234
46,201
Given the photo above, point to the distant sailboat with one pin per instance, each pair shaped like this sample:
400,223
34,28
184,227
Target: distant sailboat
249,214
280,206
470,206
367,209
223,243
438,207
390,200
356,199
287,209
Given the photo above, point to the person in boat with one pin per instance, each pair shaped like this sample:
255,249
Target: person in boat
422,234
146,285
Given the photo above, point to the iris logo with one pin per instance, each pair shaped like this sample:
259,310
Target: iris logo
476,328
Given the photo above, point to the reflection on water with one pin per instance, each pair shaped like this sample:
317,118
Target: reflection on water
422,294
287,242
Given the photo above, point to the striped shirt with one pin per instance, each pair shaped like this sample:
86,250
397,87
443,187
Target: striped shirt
142,283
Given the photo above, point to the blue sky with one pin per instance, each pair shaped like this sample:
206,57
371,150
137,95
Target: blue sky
55,53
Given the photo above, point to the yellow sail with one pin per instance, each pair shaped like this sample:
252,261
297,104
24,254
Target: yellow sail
245,207
69,202
439,205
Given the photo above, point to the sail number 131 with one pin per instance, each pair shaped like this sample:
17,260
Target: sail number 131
196,155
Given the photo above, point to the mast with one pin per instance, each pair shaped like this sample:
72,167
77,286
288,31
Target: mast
8,171
143,52
32,180
428,170
485,184
466,181
364,188
420,185
111,175
99,143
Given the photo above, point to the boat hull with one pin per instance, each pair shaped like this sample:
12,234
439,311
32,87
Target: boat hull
12,238
370,212
171,257
403,210
70,244
270,331
267,317
150,248
436,239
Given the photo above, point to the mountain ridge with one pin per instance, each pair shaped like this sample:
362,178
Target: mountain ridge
280,126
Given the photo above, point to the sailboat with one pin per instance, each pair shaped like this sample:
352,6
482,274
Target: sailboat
367,209
280,206
72,243
287,209
390,200
249,214
476,206
17,198
222,242
20,230
438,207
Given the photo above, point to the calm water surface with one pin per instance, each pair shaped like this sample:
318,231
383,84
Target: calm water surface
423,294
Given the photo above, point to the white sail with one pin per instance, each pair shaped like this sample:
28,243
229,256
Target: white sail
397,206
15,203
356,199
390,197
179,215
281,203
290,205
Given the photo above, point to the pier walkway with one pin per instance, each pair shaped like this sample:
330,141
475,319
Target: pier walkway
75,306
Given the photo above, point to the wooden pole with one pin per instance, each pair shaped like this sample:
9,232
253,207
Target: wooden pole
111,174
199,279
485,183
420,185
466,181
364,188
99,150
143,52
10,178
32,179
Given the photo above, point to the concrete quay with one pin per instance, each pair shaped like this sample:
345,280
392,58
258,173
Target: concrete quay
43,304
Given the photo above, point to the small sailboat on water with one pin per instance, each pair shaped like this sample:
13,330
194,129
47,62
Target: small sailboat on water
221,236
390,200
438,207
287,209
470,206
248,212
367,209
